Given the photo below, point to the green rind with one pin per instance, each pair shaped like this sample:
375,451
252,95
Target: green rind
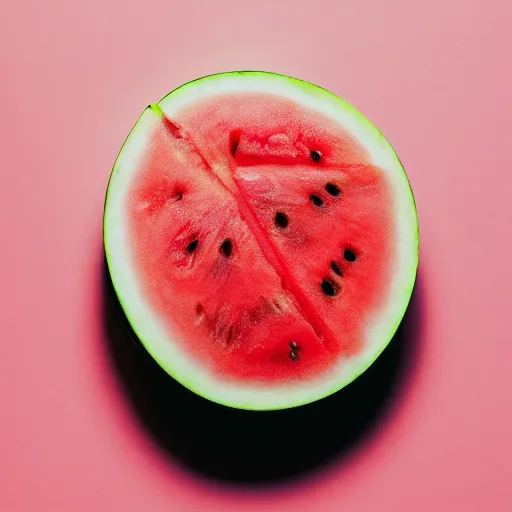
321,94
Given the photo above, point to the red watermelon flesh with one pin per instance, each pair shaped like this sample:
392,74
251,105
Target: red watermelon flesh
247,214
335,256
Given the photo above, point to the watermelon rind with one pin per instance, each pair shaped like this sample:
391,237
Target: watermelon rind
150,328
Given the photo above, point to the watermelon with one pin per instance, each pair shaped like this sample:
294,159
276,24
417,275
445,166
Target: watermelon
262,238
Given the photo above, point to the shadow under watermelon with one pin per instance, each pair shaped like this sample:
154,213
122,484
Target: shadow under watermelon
264,448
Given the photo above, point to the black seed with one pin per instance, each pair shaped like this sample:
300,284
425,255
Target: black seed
178,195
226,247
192,246
332,189
335,268
349,255
281,220
316,155
317,201
294,351
329,288
294,355
234,141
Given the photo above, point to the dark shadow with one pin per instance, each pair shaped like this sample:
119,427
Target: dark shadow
247,447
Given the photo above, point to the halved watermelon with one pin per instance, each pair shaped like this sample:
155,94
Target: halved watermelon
262,238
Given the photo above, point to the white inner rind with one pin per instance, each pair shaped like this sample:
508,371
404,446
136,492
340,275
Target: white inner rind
150,326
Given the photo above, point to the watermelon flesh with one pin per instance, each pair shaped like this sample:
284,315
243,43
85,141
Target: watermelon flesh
335,245
262,235
199,260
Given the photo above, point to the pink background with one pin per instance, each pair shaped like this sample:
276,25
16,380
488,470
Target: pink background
434,76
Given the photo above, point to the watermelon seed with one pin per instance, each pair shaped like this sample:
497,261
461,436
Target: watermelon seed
281,220
226,248
316,155
329,288
335,268
234,141
317,201
294,351
332,189
192,246
294,355
349,255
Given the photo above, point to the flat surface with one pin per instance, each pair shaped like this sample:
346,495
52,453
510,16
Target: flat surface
80,432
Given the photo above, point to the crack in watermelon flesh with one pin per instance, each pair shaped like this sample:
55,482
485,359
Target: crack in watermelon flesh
261,235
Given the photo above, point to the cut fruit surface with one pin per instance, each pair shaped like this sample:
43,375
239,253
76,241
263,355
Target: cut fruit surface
335,246
262,239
